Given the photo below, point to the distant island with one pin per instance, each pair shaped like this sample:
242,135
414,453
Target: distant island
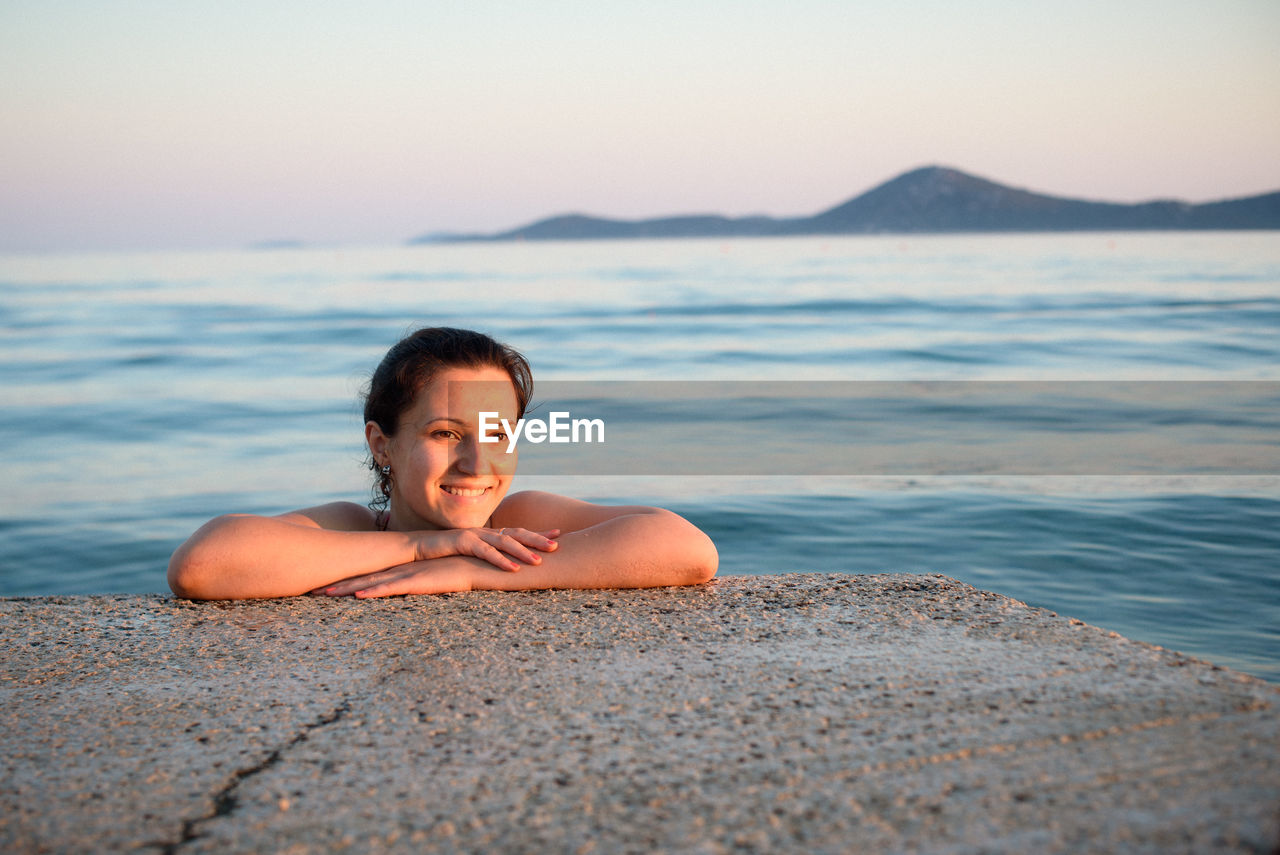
934,199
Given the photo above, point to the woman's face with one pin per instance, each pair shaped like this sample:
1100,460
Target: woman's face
442,475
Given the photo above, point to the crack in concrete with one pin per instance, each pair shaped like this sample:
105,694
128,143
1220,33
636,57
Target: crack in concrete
226,799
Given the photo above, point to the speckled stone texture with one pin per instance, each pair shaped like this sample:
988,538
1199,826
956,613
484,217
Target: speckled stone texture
796,713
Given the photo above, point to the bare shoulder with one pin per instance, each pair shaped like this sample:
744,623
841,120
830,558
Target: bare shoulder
335,516
539,511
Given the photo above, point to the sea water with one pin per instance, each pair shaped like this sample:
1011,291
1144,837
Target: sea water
145,393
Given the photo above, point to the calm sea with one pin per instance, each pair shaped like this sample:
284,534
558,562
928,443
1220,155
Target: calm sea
146,393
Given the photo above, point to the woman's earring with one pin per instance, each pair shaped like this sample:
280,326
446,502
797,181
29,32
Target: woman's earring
386,470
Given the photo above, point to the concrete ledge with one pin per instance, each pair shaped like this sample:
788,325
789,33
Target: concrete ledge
812,713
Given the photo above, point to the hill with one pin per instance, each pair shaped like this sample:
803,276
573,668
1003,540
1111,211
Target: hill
933,199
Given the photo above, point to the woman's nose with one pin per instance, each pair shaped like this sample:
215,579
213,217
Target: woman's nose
468,456
472,457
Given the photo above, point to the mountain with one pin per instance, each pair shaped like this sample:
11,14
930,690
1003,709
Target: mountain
933,199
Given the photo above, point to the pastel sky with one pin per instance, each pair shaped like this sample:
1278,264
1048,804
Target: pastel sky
173,124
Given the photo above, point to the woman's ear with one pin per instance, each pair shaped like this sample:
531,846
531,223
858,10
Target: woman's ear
378,442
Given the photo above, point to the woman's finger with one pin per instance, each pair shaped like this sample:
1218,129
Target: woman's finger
386,589
350,586
501,542
543,541
410,583
536,539
486,551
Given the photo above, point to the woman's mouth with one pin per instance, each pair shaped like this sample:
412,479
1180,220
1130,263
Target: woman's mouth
465,492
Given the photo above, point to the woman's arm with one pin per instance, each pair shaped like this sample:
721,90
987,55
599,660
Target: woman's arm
240,556
600,547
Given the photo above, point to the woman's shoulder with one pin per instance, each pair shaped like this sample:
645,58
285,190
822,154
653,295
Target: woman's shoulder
539,511
335,516
534,510
520,509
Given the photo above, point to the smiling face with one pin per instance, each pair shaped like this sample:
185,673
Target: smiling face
442,476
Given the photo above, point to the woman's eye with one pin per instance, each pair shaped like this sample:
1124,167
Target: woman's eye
445,434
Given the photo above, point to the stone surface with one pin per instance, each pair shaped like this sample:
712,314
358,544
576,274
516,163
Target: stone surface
806,712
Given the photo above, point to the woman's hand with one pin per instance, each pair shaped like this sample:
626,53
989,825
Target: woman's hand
446,575
497,547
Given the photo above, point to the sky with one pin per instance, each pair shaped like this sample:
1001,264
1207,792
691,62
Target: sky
130,125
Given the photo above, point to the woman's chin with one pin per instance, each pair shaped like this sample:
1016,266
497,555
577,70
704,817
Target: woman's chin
468,518
442,521
451,511
469,511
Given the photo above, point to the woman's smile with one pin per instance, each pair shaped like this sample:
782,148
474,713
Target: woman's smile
465,492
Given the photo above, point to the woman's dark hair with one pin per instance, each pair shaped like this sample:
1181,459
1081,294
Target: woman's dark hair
412,363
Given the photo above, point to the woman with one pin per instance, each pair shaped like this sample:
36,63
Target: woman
444,521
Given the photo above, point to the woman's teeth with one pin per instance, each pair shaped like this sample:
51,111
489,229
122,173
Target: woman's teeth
464,491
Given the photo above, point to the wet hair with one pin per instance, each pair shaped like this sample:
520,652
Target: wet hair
414,361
